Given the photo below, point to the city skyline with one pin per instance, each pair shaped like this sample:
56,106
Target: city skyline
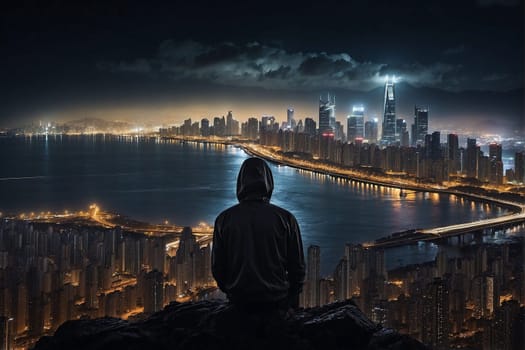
71,62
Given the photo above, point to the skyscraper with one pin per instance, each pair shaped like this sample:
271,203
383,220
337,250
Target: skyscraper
496,164
389,116
355,123
252,128
327,115
185,260
153,292
402,132
205,127
435,147
453,154
289,118
313,275
519,166
229,123
472,158
267,122
420,126
371,130
309,126
435,324
219,126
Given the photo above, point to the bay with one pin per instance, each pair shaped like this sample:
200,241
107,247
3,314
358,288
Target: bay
189,183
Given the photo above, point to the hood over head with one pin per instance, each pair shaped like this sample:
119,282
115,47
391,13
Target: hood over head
255,180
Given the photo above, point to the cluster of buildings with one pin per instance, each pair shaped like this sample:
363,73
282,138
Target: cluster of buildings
474,301
417,154
51,273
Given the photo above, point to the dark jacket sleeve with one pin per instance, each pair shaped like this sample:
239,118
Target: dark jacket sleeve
295,266
218,255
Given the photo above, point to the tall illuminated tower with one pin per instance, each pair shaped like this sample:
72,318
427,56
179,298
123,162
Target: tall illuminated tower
389,116
327,115
355,123
290,120
420,126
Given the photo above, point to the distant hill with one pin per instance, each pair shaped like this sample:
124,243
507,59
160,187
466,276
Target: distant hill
97,124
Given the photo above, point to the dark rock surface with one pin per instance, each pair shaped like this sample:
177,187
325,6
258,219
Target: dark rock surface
214,324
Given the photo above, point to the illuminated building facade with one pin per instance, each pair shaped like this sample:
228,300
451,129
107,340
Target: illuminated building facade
309,126
420,126
402,137
389,115
327,115
205,127
290,122
436,321
153,291
496,164
519,167
313,276
355,123
471,163
371,130
453,155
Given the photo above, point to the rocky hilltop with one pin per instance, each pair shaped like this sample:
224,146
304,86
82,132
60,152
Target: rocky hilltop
214,324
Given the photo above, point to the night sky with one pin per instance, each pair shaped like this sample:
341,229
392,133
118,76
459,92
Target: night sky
152,63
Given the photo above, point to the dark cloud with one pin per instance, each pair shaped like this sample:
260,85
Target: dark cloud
257,65
279,73
81,53
323,64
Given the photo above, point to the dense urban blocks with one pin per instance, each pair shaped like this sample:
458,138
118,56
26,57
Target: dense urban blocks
51,273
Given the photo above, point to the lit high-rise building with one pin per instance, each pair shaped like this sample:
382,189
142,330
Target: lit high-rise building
252,128
232,125
185,261
313,275
402,132
472,158
496,164
453,154
495,151
219,126
420,126
327,115
309,126
6,333
507,330
153,292
267,122
435,146
389,116
436,323
371,130
355,123
205,127
289,118
519,166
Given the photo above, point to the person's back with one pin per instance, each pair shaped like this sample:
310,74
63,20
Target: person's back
257,254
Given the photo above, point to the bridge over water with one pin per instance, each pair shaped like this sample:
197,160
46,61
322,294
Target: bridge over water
439,233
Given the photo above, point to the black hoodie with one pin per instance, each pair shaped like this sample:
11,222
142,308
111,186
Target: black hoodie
257,251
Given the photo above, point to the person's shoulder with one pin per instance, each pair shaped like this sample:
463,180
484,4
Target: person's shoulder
283,212
227,212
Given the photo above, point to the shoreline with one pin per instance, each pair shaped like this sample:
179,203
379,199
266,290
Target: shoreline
516,215
516,207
